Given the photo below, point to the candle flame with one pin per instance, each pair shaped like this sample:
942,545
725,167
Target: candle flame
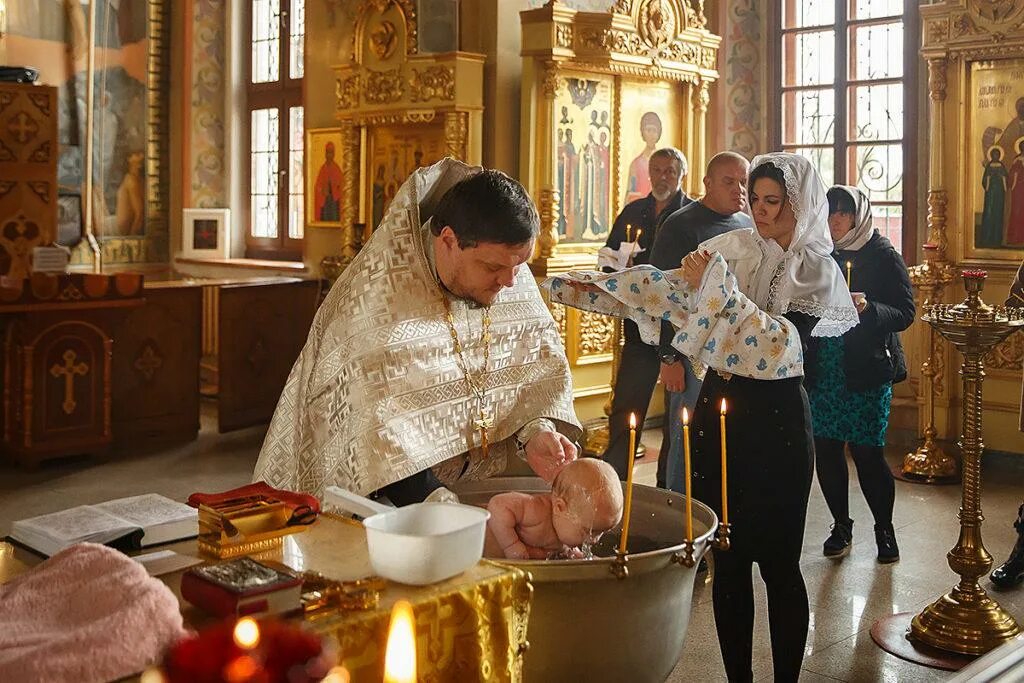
247,633
686,417
338,674
639,231
632,420
400,655
723,406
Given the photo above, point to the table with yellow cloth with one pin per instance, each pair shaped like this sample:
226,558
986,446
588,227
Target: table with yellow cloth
469,628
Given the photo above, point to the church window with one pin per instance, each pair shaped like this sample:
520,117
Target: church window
847,70
276,132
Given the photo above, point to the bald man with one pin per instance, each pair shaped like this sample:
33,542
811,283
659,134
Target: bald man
719,210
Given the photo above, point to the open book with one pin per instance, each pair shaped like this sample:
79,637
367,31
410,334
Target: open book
125,523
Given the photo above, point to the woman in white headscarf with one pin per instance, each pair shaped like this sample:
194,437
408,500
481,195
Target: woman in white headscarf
745,305
851,377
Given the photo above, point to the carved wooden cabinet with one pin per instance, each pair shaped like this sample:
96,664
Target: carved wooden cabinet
58,361
262,327
156,366
28,173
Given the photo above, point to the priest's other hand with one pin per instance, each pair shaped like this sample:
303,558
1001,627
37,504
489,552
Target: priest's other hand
548,452
694,265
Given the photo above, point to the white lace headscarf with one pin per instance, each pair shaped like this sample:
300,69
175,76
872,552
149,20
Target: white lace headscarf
804,277
862,230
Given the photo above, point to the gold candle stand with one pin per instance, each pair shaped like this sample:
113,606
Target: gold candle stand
966,620
929,464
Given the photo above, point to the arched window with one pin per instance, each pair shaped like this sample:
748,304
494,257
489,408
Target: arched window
847,71
274,96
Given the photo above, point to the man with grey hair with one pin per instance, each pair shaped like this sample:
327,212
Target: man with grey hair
630,243
719,210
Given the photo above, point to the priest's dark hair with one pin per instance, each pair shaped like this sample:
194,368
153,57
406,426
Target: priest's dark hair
487,207
840,201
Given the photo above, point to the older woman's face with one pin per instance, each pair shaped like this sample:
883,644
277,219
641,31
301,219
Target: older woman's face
773,214
840,224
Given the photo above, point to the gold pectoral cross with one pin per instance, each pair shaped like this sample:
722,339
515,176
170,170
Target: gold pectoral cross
483,424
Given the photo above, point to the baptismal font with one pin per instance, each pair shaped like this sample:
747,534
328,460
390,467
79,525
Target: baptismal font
966,620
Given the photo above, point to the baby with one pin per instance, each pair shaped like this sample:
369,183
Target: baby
585,501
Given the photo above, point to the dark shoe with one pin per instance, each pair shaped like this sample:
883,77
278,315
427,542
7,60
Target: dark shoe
1011,572
839,541
885,537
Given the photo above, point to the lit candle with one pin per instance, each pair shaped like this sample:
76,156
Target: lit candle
849,267
686,469
400,654
247,633
725,484
632,252
629,232
629,484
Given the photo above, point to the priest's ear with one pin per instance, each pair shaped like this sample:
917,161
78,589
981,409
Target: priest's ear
449,238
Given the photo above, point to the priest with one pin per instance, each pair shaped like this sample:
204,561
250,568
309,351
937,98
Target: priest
434,357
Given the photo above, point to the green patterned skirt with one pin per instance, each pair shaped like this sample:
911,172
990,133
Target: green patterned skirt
859,417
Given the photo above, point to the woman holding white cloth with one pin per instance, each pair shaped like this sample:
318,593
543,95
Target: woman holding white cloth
745,305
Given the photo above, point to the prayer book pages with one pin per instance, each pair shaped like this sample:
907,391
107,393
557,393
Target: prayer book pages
127,523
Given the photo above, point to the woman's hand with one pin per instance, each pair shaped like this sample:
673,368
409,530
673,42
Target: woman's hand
694,265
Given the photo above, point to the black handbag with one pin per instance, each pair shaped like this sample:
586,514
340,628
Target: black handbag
18,74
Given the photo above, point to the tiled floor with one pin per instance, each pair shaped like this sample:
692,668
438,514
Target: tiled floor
846,596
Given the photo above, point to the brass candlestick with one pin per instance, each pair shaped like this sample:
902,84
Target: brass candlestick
966,620
929,463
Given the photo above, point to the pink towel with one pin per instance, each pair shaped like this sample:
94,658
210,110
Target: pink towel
88,613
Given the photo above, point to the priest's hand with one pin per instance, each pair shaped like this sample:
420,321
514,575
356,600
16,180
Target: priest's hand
548,452
694,265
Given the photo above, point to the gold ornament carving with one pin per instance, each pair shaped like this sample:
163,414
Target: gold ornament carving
938,30
432,83
347,92
657,22
937,221
350,174
563,35
701,98
383,40
623,6
552,82
963,25
384,87
937,79
456,129
1008,355
1006,15
597,334
408,11
548,208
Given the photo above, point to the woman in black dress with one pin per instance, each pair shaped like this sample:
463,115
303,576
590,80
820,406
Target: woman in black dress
784,267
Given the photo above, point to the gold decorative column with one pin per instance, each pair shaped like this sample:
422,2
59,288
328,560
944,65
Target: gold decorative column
966,620
929,463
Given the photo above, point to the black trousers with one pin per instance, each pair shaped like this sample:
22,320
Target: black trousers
873,471
770,462
634,385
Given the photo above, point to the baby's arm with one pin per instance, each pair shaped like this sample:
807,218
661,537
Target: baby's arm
507,510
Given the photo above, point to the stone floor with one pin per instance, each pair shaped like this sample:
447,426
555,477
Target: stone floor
846,596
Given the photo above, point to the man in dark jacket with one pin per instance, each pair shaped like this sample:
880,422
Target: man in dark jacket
719,210
630,243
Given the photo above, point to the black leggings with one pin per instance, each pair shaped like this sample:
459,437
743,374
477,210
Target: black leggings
872,470
733,595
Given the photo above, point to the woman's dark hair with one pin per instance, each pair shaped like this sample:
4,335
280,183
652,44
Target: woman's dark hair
770,171
487,207
840,201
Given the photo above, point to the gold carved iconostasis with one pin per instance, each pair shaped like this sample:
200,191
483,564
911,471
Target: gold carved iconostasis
974,51
400,108
601,91
127,132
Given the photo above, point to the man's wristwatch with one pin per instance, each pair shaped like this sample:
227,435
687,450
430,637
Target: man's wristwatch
668,356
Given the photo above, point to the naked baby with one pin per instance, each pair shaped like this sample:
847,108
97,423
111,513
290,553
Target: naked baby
585,501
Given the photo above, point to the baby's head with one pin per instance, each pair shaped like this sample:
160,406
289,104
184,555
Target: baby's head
586,501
